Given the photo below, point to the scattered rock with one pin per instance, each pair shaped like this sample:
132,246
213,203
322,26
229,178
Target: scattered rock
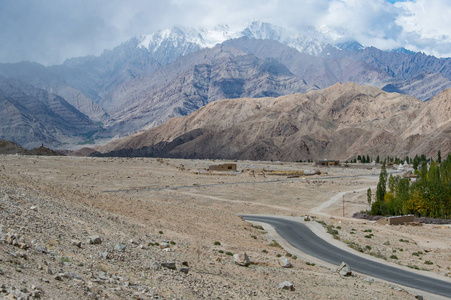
58,277
76,243
164,245
184,270
155,266
286,285
95,240
104,254
284,262
370,280
344,269
242,259
119,247
419,297
169,265
185,263
34,207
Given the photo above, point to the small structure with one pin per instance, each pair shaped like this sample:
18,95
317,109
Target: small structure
397,220
223,167
327,163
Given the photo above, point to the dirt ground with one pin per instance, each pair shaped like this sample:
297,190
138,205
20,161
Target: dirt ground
174,211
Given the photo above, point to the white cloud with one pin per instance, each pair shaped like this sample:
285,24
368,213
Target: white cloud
48,31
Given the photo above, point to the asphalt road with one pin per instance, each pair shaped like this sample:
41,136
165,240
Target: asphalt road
302,238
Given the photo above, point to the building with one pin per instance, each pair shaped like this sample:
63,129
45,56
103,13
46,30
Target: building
223,167
398,220
327,163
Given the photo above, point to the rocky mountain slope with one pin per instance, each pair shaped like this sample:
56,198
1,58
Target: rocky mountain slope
339,122
148,79
31,116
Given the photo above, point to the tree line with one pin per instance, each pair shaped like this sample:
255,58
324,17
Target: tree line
428,196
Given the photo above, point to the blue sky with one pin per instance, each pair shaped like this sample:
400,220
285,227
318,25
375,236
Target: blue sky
49,31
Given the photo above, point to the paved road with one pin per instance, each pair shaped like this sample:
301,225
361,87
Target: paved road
302,238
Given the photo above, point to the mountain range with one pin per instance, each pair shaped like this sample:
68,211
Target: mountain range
147,80
339,122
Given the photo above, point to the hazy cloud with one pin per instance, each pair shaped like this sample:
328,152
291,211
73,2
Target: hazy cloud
49,31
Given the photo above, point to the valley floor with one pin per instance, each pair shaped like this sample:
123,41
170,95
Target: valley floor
48,205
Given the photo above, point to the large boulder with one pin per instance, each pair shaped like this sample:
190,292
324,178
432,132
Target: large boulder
286,285
242,259
284,262
344,269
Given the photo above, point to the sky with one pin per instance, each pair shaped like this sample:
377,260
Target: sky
49,31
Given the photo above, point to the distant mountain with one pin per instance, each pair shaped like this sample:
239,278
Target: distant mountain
148,79
8,147
31,117
339,122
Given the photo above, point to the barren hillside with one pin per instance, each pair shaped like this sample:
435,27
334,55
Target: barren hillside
337,122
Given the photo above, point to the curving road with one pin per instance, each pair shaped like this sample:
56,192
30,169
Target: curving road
302,238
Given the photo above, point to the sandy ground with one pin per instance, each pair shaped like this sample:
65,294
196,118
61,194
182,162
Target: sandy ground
50,201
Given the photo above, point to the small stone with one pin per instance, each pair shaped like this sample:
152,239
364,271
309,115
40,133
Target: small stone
169,265
370,280
34,207
95,240
164,245
76,243
104,254
242,259
119,247
284,262
48,271
155,266
344,269
184,270
286,285
58,277
167,250
185,263
419,297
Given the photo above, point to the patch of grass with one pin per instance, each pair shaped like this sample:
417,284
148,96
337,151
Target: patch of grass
217,243
309,264
338,227
160,232
150,244
65,259
403,240
428,262
420,252
254,237
172,243
258,227
353,229
368,247
367,230
274,243
288,254
221,251
378,255
352,232
265,251
229,253
279,255
413,267
393,256
294,257
368,236
415,254
354,246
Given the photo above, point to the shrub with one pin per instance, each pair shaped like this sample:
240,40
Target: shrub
274,243
229,253
393,257
160,232
265,251
367,230
258,227
279,255
368,247
217,243
428,262
403,241
172,243
415,254
221,251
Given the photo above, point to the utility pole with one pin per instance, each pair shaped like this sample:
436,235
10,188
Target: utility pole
343,205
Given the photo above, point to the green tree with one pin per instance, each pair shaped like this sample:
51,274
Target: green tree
369,197
439,157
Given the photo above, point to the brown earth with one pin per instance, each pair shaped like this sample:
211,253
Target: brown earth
50,201
339,122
